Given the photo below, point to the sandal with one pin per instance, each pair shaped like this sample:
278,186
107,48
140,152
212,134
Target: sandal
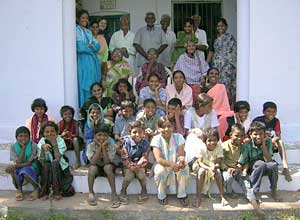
33,196
287,174
19,196
163,201
91,200
183,201
142,199
124,200
116,204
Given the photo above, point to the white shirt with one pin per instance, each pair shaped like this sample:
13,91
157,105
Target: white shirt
193,120
202,40
165,56
118,40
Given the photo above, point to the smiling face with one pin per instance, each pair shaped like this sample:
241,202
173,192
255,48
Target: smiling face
149,109
236,137
188,27
102,24
270,114
204,109
101,137
84,20
95,28
116,55
191,48
150,20
211,142
50,133
97,91
178,80
122,87
165,23
39,111
213,76
258,136
166,129
243,114
23,138
153,82
221,28
95,114
127,112
67,116
137,134
171,111
152,56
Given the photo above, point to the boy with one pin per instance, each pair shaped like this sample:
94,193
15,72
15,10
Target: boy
174,114
273,131
102,154
122,120
232,169
135,153
256,157
241,113
149,117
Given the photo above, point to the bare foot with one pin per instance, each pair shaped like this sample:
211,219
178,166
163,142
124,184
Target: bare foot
256,208
198,202
91,200
275,196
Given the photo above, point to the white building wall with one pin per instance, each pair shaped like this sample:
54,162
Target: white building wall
274,61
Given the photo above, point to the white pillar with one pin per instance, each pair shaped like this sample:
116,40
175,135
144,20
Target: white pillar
243,49
69,55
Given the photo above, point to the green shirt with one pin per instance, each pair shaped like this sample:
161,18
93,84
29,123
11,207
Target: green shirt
251,153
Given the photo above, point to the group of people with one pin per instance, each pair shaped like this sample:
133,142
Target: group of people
152,125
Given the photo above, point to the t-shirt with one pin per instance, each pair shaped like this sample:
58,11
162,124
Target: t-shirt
271,126
209,157
121,125
192,120
231,155
92,149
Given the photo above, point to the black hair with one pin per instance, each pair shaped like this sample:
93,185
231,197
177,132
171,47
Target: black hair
124,81
135,124
96,84
212,68
188,20
146,101
178,71
66,108
210,132
149,13
202,100
155,50
94,105
49,124
175,102
240,105
103,128
39,102
162,120
257,126
269,105
151,75
237,127
81,12
127,104
22,130
223,20
94,22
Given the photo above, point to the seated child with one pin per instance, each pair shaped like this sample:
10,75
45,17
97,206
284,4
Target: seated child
123,119
207,165
69,131
39,118
135,153
149,117
256,157
232,169
23,155
241,117
102,154
273,131
55,168
174,113
155,92
202,116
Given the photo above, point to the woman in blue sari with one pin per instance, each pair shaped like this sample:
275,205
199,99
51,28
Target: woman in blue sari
88,66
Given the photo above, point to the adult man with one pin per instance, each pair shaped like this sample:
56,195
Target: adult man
148,37
165,57
201,35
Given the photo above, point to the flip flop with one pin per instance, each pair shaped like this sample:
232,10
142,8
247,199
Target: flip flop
33,196
183,201
163,201
124,200
91,200
116,204
19,196
142,199
287,174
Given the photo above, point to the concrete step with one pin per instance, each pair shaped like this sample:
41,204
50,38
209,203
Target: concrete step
101,184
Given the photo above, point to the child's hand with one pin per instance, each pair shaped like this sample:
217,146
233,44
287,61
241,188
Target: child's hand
104,144
46,147
231,171
175,167
177,111
244,173
157,90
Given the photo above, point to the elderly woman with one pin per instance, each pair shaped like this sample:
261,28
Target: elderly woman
170,171
193,66
117,68
223,57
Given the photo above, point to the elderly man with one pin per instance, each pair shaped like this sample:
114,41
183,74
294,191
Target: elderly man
148,37
201,35
165,57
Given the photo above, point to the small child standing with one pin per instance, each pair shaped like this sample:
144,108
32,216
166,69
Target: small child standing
102,154
23,155
135,153
174,113
69,131
274,131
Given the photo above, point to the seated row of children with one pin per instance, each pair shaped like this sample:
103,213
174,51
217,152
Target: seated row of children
131,148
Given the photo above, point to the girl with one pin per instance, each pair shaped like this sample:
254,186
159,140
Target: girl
55,168
39,118
23,155
170,171
68,130
122,91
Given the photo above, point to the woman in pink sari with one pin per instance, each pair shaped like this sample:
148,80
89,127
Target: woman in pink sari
220,103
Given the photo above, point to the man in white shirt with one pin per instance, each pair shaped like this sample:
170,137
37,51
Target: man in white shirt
201,35
165,56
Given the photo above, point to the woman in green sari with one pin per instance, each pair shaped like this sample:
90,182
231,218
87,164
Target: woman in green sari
117,68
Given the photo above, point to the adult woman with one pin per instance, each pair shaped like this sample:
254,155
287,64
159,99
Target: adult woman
103,30
170,171
88,66
179,89
117,68
220,99
223,57
103,52
193,66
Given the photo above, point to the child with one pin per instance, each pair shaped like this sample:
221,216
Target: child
69,131
39,118
122,91
149,117
135,153
123,119
207,165
101,154
241,117
23,155
273,131
202,116
174,111
55,168
256,157
171,172
155,92
232,169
